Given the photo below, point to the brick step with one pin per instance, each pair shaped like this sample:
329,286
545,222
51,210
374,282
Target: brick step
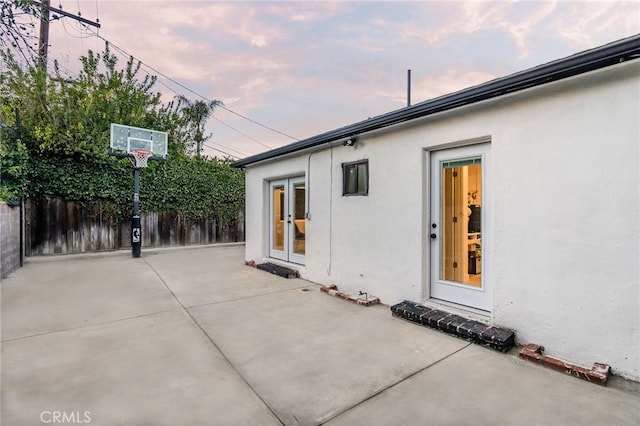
500,339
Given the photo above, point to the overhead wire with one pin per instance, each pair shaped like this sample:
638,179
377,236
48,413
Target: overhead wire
238,131
86,32
219,150
196,93
217,119
97,35
228,148
259,124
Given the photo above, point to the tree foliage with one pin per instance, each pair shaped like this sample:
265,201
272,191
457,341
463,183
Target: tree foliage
61,151
194,187
196,114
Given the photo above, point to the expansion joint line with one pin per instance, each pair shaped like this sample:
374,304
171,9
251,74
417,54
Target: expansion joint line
396,383
213,343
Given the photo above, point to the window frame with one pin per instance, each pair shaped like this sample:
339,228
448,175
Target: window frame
345,174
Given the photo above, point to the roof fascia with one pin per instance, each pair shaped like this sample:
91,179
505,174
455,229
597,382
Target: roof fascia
589,60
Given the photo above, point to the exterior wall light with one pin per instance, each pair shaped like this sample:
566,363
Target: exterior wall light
352,141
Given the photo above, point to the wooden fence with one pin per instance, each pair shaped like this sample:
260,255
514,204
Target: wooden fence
9,239
58,227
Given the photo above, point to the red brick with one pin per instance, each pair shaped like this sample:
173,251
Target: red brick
557,364
532,352
332,290
599,373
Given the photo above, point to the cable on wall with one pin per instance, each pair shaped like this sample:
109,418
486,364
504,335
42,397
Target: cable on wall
330,211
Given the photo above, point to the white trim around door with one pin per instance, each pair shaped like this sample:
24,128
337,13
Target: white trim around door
460,226
287,224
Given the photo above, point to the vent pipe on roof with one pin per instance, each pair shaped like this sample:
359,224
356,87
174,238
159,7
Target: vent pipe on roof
408,87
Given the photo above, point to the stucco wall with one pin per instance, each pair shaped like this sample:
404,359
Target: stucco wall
566,213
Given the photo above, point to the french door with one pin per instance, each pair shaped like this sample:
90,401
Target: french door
287,226
460,213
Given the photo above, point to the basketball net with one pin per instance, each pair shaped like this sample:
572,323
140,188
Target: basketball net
141,157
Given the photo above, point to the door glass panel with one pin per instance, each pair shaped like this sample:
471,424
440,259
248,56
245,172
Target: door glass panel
461,207
278,218
299,218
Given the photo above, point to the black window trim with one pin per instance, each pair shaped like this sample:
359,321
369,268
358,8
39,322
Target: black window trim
366,182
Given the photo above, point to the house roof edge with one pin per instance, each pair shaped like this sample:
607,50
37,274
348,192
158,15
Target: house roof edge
579,63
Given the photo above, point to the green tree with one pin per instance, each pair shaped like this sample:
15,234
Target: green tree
66,125
71,116
62,151
196,115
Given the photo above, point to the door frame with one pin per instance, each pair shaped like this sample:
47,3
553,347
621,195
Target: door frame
461,295
287,207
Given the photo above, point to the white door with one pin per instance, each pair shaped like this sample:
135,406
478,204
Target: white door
460,216
287,229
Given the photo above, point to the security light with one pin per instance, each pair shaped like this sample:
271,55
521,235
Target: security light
350,142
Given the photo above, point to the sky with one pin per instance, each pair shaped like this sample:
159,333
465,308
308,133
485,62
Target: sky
289,70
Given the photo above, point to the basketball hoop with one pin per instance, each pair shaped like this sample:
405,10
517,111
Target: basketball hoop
141,156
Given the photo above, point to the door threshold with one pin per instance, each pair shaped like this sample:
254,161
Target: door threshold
469,311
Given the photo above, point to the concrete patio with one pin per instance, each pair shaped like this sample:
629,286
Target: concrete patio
194,337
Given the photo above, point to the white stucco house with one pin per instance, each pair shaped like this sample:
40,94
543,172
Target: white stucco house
515,202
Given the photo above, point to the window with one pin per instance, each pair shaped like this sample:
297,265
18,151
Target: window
355,178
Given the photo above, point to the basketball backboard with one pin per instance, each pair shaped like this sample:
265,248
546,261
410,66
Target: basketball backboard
124,139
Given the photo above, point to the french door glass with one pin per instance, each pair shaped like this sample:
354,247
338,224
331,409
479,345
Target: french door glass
277,215
287,239
298,210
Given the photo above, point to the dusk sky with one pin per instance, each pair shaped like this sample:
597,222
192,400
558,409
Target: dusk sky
306,67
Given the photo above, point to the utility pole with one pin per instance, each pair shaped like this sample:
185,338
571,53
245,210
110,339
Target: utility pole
43,46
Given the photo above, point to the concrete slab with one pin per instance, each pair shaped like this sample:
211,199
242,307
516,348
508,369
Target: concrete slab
214,274
158,369
311,356
105,335
47,296
477,386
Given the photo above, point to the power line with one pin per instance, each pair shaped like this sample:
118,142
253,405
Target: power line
184,87
123,52
219,150
228,148
259,124
238,131
198,94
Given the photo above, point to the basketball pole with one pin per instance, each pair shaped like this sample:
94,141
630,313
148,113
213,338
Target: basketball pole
137,145
136,235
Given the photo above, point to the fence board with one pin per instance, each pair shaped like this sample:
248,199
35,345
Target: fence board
58,227
9,239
